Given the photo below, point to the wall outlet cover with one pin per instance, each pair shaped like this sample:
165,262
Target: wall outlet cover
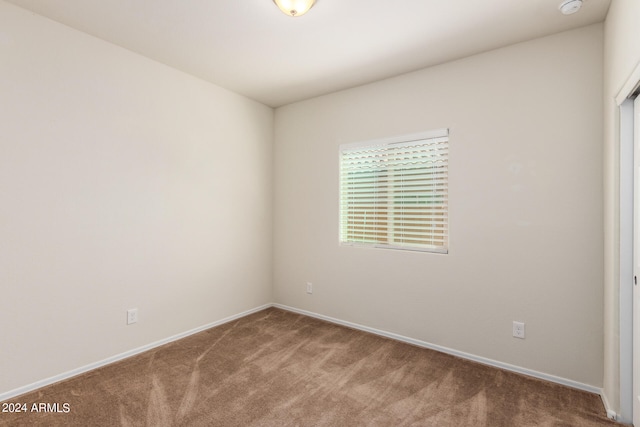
132,316
518,330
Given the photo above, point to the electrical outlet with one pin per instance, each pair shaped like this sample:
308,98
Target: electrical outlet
132,316
518,330
309,287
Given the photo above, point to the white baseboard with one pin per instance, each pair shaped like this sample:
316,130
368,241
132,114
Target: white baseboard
461,354
74,372
611,414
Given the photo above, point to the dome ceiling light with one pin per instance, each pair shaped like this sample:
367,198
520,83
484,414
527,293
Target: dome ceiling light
294,7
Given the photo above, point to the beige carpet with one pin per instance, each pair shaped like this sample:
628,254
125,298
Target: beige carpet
276,368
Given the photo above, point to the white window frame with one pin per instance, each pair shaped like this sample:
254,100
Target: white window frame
381,233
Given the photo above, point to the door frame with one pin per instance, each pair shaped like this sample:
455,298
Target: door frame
626,260
625,101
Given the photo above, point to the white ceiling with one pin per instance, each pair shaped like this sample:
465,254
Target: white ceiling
250,47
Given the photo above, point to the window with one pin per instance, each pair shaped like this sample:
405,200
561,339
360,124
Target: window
394,193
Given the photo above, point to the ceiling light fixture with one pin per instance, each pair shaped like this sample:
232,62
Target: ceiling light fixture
295,7
570,7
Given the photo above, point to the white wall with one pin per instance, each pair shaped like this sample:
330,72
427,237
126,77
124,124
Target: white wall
123,183
525,197
622,55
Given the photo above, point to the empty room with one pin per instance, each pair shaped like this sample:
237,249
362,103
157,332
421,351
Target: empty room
319,213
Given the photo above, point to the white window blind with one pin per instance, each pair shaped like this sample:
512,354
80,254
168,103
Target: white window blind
394,193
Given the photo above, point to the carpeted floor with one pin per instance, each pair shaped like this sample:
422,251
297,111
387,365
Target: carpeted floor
276,368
